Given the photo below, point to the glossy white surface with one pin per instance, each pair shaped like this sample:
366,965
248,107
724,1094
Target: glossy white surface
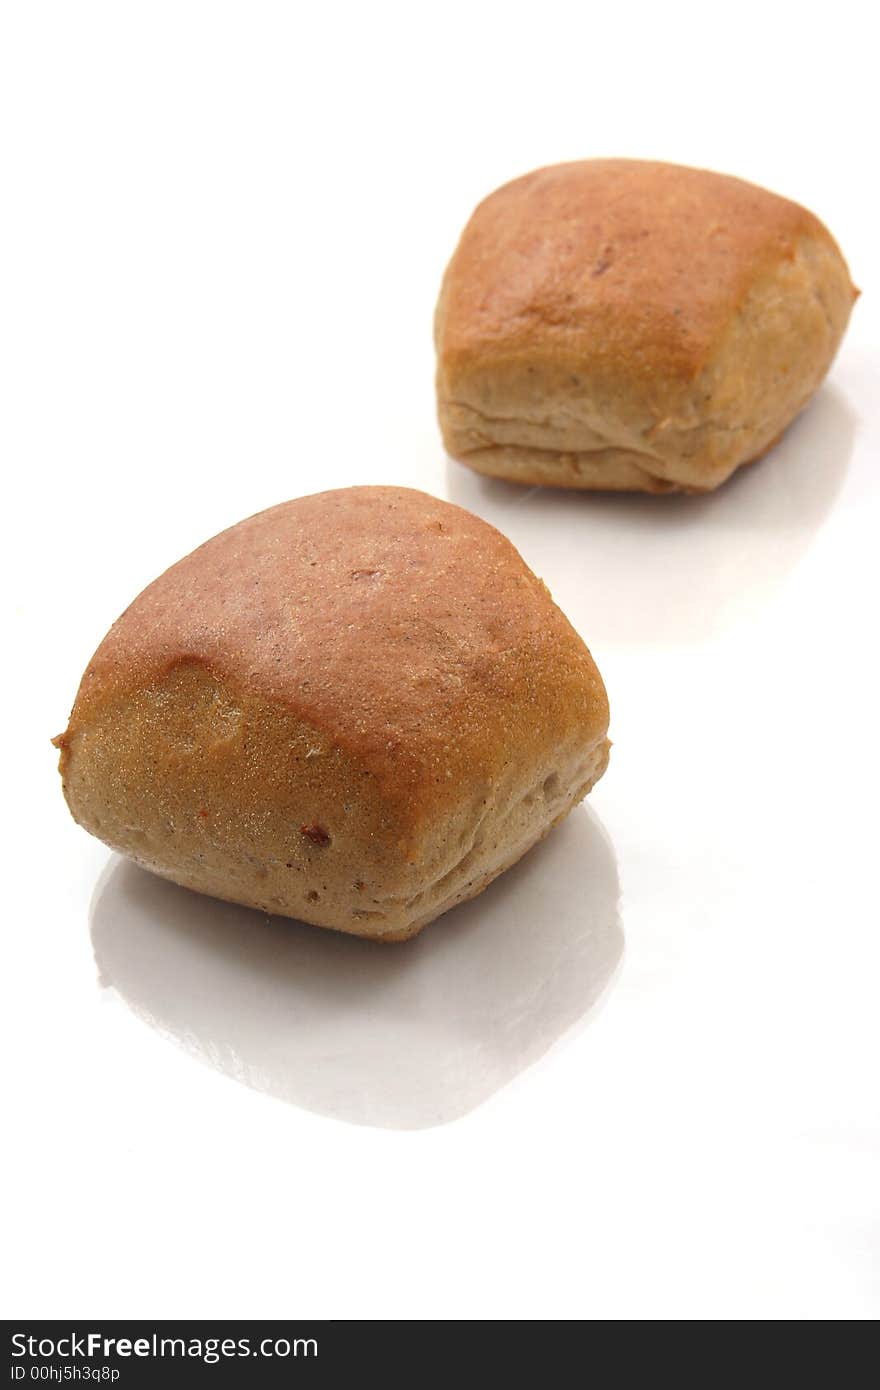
638,1077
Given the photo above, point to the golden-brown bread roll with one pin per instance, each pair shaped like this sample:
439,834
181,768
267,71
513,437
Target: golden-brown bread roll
356,708
633,326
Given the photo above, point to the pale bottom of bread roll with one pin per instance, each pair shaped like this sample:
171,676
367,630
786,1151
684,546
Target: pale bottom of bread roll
596,470
614,470
494,829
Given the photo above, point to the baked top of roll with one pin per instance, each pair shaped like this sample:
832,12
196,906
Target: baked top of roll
673,315
344,681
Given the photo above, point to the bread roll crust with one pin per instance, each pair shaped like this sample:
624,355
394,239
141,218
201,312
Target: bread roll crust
632,325
355,708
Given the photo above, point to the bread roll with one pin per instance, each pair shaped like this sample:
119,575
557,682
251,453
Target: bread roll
633,326
356,708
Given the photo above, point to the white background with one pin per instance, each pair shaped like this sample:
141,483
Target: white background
638,1078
